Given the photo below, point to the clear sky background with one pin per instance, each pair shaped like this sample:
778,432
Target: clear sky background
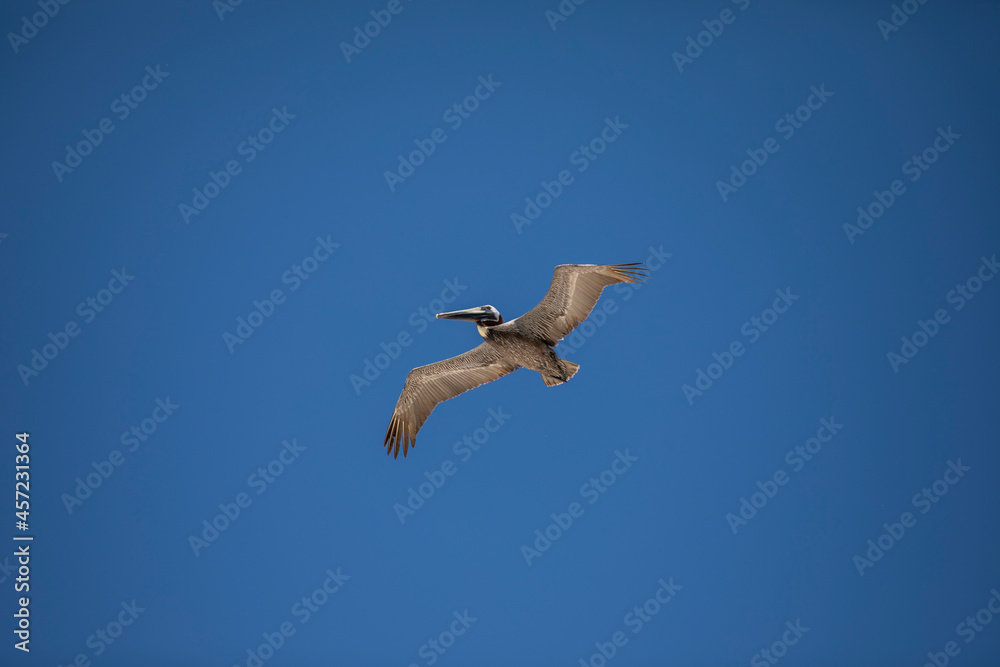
127,551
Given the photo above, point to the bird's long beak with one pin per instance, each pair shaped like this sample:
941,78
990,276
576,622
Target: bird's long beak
471,314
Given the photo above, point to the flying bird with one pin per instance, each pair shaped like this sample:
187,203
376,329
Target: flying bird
526,341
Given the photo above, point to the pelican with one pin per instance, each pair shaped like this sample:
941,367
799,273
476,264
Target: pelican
526,341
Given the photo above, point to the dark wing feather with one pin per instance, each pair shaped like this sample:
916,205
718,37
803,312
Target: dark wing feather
573,293
429,385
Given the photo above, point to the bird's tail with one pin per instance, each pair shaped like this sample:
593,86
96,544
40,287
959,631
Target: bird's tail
569,369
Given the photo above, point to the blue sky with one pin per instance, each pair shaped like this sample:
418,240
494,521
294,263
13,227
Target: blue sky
201,247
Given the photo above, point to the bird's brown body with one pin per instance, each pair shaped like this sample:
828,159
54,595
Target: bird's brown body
525,342
528,350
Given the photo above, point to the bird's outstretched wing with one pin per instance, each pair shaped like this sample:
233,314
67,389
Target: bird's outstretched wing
573,293
429,385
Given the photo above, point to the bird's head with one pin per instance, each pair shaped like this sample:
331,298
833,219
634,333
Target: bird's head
485,316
